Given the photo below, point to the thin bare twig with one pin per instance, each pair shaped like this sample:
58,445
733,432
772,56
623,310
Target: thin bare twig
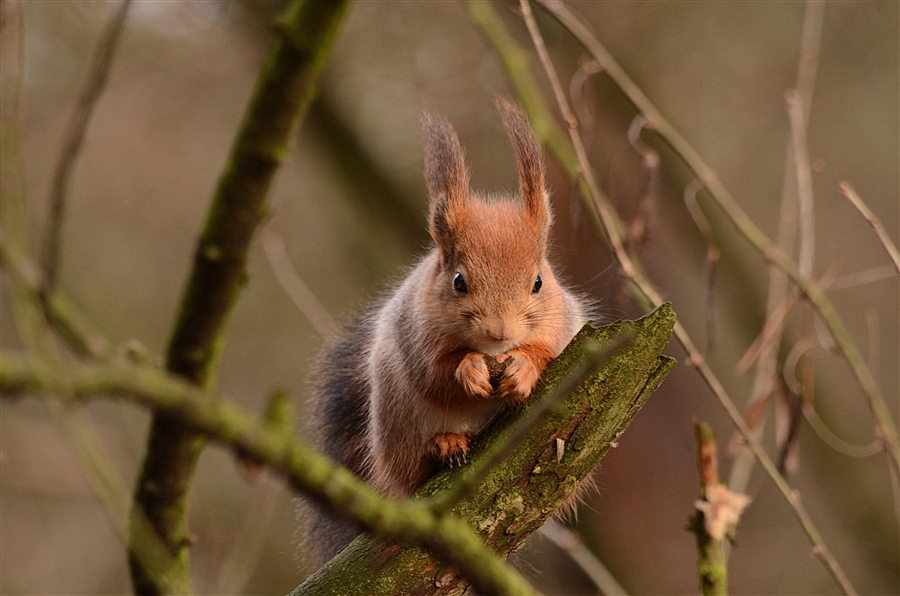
62,316
808,64
571,542
712,258
797,197
248,545
577,92
642,224
761,348
873,220
294,286
804,182
615,241
74,139
806,262
646,289
108,486
861,278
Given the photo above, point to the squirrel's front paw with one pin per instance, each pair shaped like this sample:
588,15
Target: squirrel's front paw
519,378
473,374
448,448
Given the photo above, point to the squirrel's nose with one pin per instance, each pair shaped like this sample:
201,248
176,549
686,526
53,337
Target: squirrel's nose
497,331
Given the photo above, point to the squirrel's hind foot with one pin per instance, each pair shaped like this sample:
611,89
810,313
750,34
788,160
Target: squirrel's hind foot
448,448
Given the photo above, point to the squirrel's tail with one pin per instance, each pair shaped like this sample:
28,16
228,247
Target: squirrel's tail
339,424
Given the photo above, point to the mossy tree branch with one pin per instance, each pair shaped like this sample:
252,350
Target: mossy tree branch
284,90
517,496
512,500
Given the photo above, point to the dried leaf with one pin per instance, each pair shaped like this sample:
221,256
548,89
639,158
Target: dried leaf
721,510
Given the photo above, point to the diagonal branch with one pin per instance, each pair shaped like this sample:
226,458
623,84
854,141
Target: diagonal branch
519,494
285,88
873,220
595,357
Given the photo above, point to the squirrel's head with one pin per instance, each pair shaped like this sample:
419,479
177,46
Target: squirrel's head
493,278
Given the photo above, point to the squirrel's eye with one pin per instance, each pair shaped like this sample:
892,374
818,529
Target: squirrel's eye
538,282
459,284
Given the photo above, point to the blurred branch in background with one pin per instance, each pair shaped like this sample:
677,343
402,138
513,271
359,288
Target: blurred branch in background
873,221
43,316
286,86
294,286
74,138
695,358
380,199
780,298
729,205
571,542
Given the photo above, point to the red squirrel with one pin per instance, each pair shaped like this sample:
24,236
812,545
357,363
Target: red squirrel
408,386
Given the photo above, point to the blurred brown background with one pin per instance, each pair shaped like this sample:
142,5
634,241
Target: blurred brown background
349,204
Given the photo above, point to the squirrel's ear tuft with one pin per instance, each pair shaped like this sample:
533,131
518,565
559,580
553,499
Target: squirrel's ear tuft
529,161
447,179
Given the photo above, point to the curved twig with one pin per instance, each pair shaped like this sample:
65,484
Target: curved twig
593,567
294,286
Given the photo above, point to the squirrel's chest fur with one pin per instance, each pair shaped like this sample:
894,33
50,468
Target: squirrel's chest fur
410,365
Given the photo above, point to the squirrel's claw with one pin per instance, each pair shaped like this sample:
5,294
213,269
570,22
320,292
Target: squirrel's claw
448,448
